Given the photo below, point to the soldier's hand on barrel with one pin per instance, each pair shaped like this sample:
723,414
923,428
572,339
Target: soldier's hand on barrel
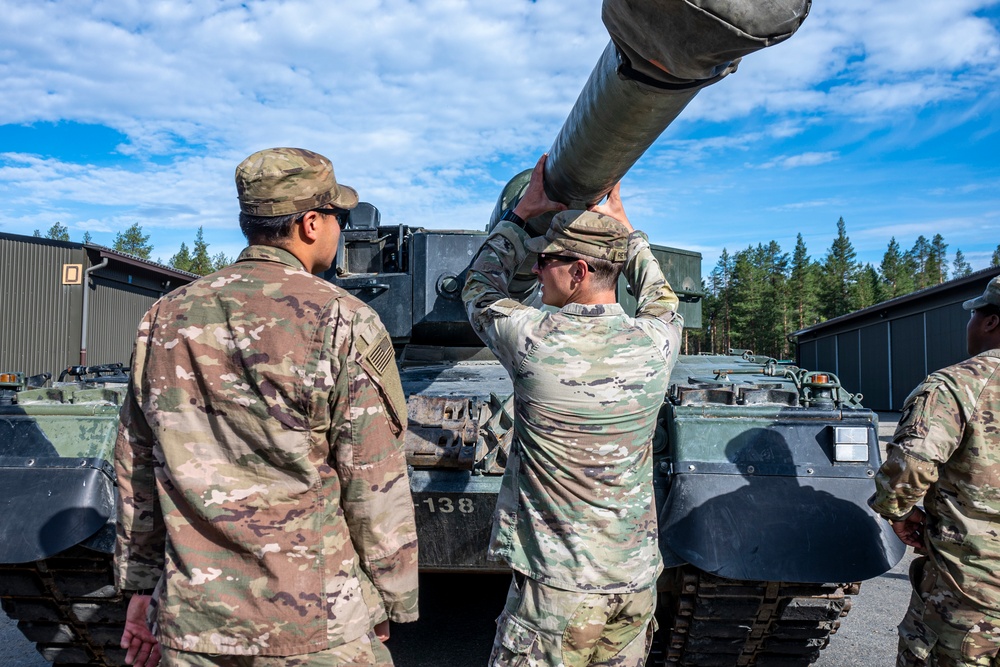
534,201
911,529
613,206
141,647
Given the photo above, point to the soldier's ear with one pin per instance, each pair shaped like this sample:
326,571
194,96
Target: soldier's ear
992,323
310,225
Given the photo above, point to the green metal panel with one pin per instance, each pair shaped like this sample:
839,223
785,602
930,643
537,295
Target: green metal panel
682,269
67,422
772,440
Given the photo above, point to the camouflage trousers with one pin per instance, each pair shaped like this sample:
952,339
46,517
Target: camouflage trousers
365,651
543,626
939,630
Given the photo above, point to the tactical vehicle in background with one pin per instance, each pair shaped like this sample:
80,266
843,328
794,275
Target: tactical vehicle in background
58,498
761,469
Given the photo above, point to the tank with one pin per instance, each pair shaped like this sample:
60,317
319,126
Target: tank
762,469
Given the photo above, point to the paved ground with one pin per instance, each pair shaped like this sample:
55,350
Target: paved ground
456,628
15,650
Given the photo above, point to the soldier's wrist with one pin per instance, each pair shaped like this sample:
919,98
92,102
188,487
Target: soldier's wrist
511,215
899,519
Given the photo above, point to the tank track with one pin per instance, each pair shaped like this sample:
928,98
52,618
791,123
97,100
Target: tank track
68,606
708,621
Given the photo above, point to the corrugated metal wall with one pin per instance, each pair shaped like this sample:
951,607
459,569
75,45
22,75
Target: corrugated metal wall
41,319
849,361
943,346
39,316
115,311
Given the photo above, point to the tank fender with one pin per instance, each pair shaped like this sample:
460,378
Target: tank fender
52,503
777,528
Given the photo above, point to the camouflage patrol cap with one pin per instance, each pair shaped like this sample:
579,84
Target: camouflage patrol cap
990,297
283,181
585,233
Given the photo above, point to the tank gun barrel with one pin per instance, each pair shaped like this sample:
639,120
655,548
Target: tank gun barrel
662,52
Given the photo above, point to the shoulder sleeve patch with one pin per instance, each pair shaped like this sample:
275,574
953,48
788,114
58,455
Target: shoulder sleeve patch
379,354
506,307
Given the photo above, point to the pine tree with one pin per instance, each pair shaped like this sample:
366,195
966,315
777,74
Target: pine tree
840,268
716,308
58,232
937,261
87,238
897,275
774,322
133,242
802,286
220,261
917,258
746,298
182,260
960,267
37,234
201,262
996,257
868,288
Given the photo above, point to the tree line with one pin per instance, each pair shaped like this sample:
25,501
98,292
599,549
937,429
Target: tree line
132,241
754,298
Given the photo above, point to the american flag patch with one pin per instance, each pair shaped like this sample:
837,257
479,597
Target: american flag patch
380,354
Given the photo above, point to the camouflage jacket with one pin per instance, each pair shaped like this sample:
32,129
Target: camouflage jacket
260,462
946,450
575,509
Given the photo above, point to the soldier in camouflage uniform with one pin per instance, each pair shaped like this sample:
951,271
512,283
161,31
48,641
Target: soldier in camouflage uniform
946,450
575,518
264,493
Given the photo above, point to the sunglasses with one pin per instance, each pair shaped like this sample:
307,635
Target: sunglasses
544,259
341,214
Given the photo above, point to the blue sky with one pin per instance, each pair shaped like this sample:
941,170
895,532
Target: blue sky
122,111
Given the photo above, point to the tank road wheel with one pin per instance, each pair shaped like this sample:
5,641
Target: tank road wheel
708,621
68,606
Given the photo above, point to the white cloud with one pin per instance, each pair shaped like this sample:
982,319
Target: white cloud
803,205
423,105
810,159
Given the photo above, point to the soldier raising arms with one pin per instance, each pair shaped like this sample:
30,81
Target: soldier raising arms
946,450
575,518
263,481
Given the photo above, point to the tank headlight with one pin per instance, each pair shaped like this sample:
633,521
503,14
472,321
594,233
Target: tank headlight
850,444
